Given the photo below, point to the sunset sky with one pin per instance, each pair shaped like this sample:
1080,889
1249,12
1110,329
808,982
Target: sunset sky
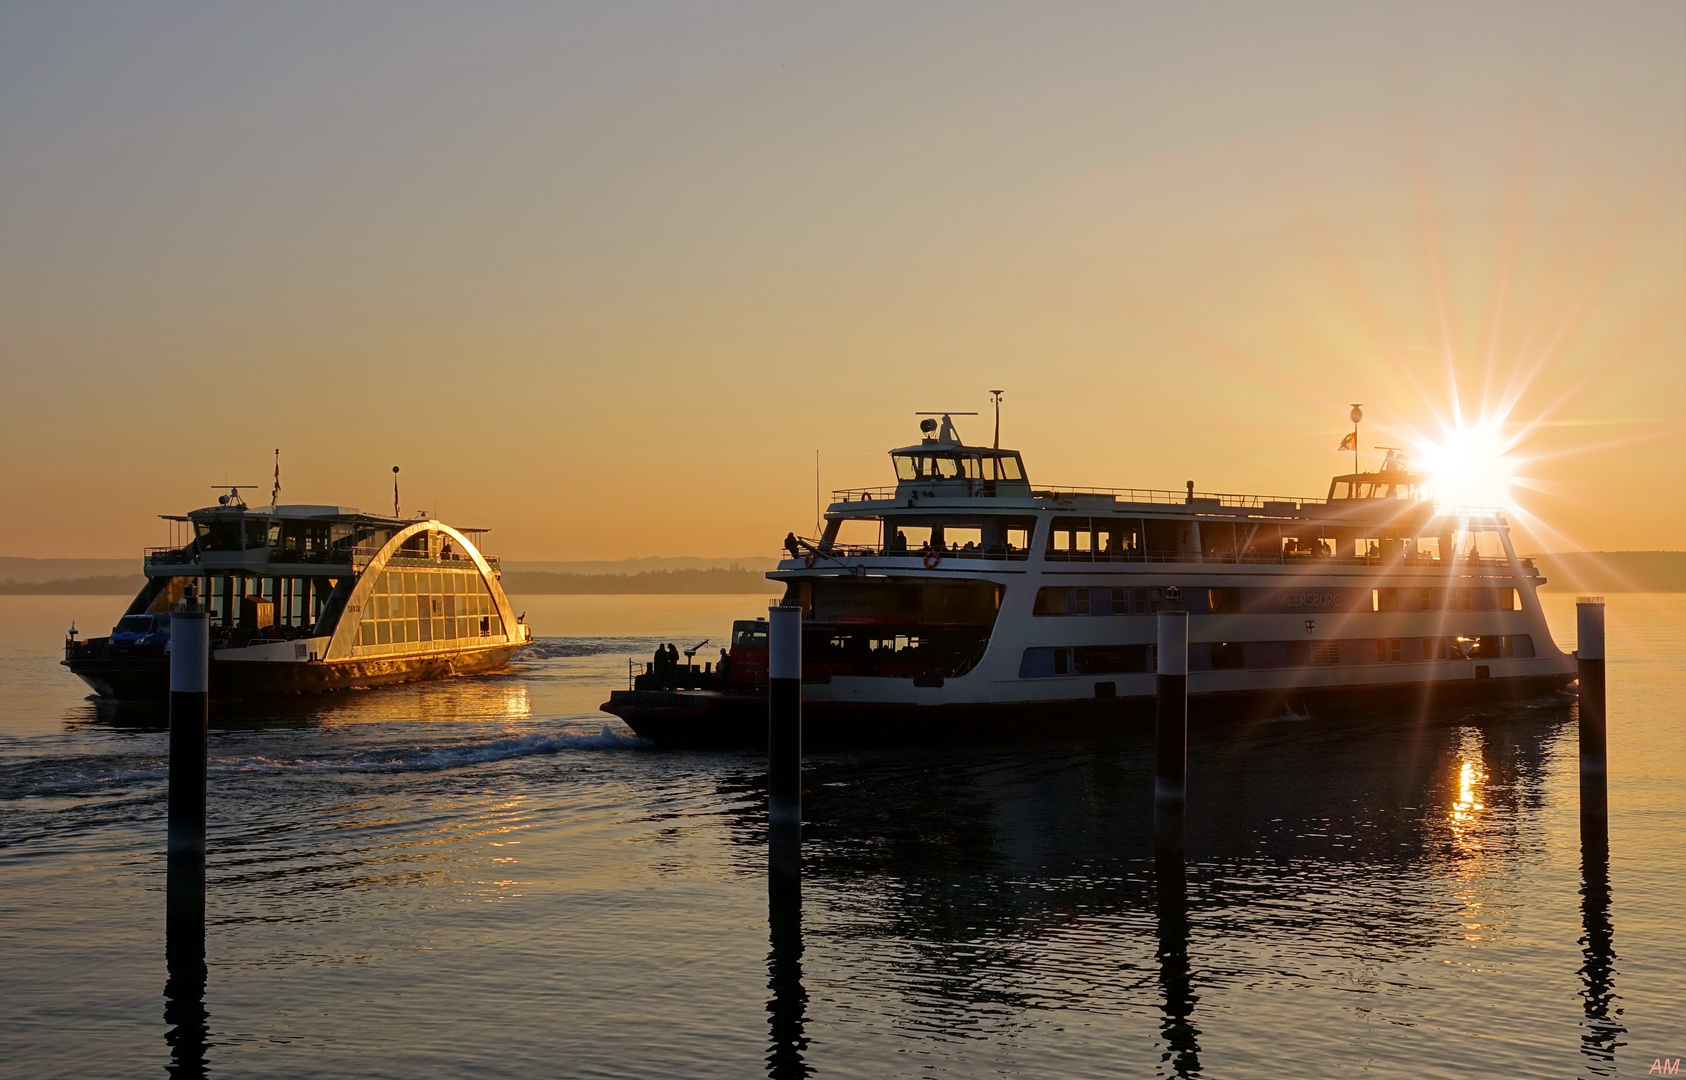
603,278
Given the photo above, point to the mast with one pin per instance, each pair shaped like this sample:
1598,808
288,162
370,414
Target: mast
1357,415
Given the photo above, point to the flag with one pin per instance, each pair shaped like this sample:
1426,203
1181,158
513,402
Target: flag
1350,442
275,495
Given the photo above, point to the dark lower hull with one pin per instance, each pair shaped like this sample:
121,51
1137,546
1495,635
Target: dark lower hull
712,718
147,679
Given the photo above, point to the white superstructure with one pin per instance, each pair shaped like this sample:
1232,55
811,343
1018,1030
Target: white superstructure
965,585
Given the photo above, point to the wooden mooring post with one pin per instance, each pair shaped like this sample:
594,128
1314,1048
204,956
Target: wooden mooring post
190,714
784,741
1170,770
1589,665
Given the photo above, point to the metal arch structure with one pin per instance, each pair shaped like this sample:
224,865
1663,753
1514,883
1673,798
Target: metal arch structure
342,643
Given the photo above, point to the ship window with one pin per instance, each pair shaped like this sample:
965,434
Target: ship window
218,535
1080,601
1520,646
1384,599
1223,601
1050,602
1228,655
1010,468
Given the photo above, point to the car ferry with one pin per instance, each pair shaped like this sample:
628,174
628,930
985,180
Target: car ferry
304,599
964,601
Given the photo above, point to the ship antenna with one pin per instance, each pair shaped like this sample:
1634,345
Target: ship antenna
395,491
1357,414
995,396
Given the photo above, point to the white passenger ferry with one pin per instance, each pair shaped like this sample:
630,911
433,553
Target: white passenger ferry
304,599
964,599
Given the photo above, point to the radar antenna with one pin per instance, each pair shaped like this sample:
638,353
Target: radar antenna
947,434
233,497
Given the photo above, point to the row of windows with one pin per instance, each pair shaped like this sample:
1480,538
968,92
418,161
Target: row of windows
1045,662
410,608
419,631
1137,600
448,606
1454,599
1119,601
407,582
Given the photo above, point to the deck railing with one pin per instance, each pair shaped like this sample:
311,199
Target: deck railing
356,557
839,553
1203,501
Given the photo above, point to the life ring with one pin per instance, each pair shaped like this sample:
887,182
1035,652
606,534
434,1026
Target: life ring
809,559
932,558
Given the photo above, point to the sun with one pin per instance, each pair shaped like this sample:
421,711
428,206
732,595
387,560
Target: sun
1472,466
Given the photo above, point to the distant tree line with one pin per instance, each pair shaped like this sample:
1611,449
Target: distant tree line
105,585
721,580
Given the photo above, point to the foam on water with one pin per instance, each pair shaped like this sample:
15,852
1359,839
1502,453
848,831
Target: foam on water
103,774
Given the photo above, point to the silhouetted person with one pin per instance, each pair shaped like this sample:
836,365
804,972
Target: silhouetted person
724,668
791,545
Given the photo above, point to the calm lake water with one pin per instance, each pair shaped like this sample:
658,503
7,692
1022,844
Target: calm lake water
487,876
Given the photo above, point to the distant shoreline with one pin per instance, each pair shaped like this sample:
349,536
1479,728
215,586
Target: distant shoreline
1579,571
715,582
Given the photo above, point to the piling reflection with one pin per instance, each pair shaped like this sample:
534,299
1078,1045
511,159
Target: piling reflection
1009,877
185,972
1181,1037
1602,1030
787,1007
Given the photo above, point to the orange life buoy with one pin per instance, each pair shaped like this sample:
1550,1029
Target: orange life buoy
809,559
932,558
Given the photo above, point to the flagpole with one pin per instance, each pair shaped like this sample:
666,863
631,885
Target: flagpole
1357,414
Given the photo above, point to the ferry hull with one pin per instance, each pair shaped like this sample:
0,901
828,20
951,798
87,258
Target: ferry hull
683,718
147,679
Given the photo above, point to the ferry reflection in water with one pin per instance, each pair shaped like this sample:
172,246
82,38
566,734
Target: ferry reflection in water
484,697
1007,882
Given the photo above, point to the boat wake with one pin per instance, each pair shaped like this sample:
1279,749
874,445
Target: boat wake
433,758
85,775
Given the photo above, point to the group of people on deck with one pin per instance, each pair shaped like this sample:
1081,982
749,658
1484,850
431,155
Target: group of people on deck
665,666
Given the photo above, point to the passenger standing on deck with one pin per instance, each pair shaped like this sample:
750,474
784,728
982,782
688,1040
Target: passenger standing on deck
724,668
792,546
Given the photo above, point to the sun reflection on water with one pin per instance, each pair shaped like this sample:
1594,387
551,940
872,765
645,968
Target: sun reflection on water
1464,809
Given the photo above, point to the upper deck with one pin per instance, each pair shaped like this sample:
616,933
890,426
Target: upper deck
968,502
300,540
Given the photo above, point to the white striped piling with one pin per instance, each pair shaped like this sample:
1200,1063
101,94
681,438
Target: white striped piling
1170,771
784,740
190,697
1589,667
